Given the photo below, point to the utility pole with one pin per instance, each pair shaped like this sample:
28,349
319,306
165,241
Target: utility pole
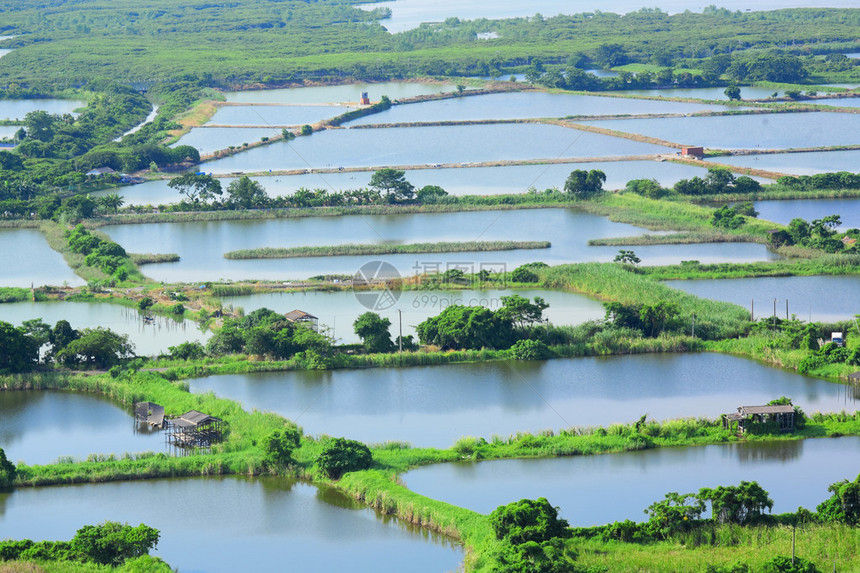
752,310
400,338
694,325
786,309
774,314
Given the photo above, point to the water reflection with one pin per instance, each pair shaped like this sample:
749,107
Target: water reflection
433,406
38,427
223,524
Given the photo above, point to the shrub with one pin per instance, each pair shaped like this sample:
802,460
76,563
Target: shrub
528,520
341,455
279,445
783,564
111,543
527,349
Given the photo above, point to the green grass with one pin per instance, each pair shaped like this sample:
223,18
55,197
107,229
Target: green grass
359,249
147,258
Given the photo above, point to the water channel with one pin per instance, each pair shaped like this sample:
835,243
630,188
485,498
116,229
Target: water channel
26,258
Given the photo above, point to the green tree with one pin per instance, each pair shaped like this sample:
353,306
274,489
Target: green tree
373,331
528,520
466,327
674,514
627,258
111,543
521,312
98,347
430,194
740,504
18,351
523,275
188,350
279,445
583,183
733,92
341,455
7,470
247,194
393,184
40,125
844,505
307,130
111,202
196,186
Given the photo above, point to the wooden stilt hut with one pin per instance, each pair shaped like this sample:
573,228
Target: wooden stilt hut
746,416
194,429
149,413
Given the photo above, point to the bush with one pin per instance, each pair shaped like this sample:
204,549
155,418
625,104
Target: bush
527,349
279,445
783,564
528,520
111,543
523,275
341,455
187,351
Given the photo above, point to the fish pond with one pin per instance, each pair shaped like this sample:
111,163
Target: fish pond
338,310
201,245
276,115
764,131
40,426
26,258
433,406
783,212
228,524
210,139
805,163
527,105
18,108
598,489
349,93
817,298
150,337
453,144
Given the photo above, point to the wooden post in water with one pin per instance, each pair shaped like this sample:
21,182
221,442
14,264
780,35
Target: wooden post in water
400,339
774,314
752,310
786,309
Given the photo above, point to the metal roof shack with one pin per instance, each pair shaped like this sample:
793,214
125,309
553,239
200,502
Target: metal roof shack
297,316
194,429
780,414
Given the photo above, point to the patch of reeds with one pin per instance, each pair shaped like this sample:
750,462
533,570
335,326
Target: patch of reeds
366,250
148,258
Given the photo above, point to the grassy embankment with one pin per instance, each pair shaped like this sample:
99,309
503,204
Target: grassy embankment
359,249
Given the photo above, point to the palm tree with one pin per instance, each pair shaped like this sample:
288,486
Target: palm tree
111,202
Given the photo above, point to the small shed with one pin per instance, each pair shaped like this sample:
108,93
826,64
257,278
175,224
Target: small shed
300,316
100,171
149,413
365,100
692,151
193,429
854,377
781,414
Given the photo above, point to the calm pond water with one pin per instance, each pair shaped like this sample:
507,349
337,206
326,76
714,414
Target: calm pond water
40,426
747,92
201,245
408,14
18,108
784,211
238,523
593,490
840,102
26,258
820,298
427,145
766,131
526,105
807,163
148,339
338,310
459,181
276,115
209,139
433,406
349,93
8,130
